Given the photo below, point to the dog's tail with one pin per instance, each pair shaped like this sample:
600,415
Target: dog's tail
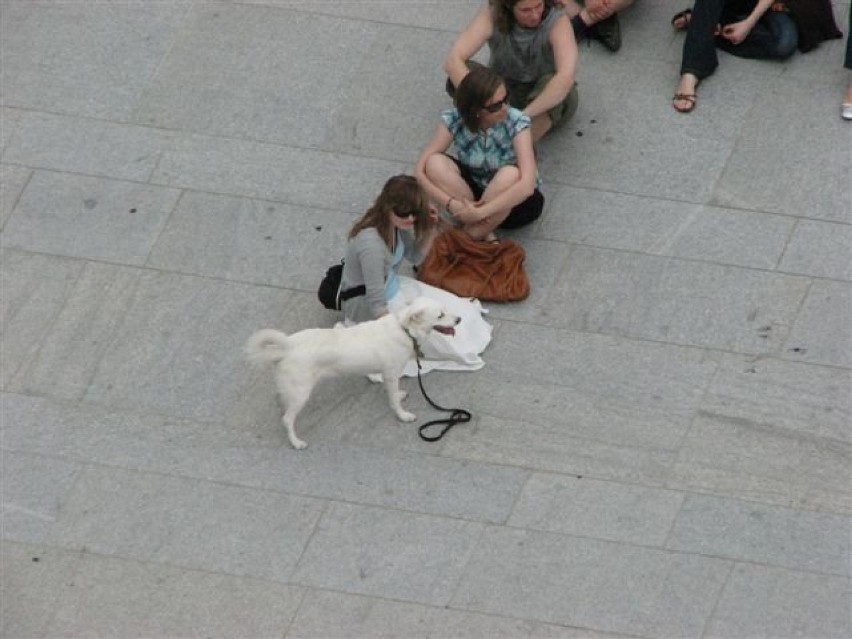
267,345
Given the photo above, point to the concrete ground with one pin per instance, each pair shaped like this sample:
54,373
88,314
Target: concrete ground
661,434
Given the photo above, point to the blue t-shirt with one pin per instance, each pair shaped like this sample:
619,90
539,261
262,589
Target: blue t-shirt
392,282
484,152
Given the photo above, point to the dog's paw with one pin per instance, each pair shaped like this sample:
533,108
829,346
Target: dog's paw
298,444
405,416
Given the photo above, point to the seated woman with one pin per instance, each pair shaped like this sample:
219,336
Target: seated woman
402,224
745,28
493,180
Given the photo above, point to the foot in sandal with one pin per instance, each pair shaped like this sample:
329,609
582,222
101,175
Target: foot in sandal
684,97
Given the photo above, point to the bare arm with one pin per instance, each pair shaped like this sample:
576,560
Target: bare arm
565,56
736,32
468,43
440,142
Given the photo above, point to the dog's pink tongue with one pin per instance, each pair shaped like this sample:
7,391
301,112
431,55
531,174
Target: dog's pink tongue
446,330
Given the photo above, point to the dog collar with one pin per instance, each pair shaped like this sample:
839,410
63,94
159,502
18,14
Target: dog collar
417,352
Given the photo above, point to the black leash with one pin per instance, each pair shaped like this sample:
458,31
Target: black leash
457,415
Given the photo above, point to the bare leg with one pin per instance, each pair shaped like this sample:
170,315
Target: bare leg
444,173
504,179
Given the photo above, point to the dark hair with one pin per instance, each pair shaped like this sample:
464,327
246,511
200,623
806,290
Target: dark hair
502,13
474,92
400,193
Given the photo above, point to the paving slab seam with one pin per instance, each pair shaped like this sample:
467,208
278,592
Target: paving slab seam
315,496
19,194
719,593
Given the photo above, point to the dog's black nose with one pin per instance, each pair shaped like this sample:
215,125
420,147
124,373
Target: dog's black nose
458,319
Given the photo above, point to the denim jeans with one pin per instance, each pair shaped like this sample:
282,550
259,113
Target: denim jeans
848,62
773,37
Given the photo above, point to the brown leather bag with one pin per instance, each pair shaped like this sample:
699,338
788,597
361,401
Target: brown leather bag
489,271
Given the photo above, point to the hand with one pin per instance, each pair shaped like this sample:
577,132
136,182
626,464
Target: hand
736,32
432,215
463,209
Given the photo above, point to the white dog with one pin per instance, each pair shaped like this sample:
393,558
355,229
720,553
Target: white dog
379,346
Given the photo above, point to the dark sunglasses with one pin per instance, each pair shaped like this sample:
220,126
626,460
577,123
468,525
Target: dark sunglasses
406,214
496,106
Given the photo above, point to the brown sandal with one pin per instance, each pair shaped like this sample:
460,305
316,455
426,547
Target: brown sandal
685,16
686,97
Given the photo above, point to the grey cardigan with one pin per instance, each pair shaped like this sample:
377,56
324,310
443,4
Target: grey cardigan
368,262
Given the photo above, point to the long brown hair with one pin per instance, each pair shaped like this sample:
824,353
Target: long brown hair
502,13
400,193
474,92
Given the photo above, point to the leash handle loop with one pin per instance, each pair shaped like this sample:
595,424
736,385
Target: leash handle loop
457,415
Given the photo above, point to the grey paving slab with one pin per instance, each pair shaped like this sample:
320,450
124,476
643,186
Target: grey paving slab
83,58
607,389
663,227
273,172
210,80
33,491
116,597
88,217
13,179
187,523
762,601
450,15
766,534
675,301
79,145
385,553
590,583
737,457
787,398
822,333
34,290
550,446
821,249
392,114
69,353
259,457
8,123
822,167
334,614
251,240
167,355
599,509
34,578
652,159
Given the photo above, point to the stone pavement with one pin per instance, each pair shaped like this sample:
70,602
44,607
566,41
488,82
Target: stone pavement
661,443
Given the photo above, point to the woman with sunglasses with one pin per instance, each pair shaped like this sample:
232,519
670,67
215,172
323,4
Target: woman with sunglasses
401,224
493,180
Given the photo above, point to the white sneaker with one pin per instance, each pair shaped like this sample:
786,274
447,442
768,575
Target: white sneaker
376,378
846,111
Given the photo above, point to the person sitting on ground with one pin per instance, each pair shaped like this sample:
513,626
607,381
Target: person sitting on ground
493,180
596,20
401,223
745,28
532,48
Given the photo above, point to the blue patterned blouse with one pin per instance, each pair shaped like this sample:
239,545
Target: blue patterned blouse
485,152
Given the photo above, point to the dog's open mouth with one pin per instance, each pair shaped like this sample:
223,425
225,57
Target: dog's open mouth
446,330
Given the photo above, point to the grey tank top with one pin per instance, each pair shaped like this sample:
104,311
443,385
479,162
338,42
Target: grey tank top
524,55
